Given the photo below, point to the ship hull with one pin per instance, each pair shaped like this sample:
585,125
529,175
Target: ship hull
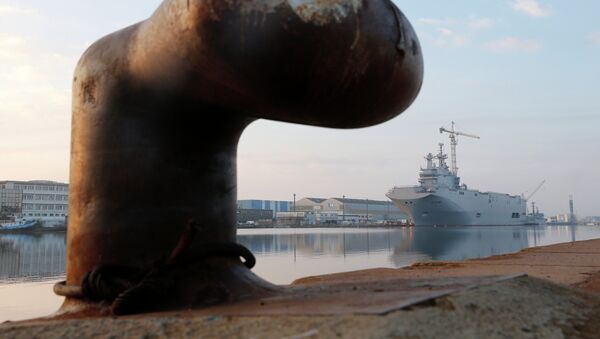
459,207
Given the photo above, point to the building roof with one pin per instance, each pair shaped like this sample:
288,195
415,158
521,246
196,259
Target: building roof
38,182
362,201
316,200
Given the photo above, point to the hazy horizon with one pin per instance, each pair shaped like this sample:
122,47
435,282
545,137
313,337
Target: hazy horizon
521,74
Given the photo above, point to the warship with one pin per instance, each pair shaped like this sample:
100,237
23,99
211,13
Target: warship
441,200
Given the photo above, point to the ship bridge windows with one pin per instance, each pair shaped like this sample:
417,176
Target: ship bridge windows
461,193
516,215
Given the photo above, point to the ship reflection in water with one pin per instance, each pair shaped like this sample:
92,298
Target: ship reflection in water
29,264
288,254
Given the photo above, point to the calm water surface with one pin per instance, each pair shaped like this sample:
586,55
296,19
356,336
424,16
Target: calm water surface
30,264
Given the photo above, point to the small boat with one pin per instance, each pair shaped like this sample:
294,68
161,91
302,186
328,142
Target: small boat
22,224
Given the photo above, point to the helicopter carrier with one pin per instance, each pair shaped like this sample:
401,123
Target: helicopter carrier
441,200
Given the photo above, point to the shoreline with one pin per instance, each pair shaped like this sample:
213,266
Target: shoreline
575,264
399,226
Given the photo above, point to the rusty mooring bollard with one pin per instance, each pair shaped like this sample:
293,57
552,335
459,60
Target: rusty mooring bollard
158,109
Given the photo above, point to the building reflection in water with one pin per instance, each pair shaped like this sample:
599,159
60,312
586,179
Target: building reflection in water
25,257
287,254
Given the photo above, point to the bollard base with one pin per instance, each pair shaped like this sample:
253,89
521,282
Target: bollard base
210,282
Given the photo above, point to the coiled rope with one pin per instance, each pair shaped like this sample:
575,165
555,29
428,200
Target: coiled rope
130,289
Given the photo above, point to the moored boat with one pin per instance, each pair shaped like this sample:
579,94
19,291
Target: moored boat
441,200
18,225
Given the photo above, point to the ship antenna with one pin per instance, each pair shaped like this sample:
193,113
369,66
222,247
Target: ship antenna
441,156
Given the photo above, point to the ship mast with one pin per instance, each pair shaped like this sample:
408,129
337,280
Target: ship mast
442,157
453,142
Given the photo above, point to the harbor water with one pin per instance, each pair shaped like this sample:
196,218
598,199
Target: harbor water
31,263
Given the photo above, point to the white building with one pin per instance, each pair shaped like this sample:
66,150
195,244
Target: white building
46,201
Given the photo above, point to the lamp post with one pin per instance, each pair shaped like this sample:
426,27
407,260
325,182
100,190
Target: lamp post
294,202
367,211
343,208
387,216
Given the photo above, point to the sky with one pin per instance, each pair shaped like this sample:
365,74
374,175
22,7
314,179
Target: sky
522,74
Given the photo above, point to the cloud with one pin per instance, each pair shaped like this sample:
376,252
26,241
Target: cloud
438,22
453,32
447,37
7,10
531,8
472,23
11,47
512,44
34,89
481,23
594,38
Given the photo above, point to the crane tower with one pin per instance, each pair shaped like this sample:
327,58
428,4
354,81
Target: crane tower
453,142
571,210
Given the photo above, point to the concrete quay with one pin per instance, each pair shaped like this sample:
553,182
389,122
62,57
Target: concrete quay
558,297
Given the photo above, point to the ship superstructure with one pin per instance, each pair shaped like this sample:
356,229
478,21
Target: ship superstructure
440,199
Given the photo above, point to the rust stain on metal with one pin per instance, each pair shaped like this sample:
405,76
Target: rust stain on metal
323,12
317,12
89,91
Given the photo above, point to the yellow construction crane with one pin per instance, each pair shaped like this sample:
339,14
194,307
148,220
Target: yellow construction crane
453,142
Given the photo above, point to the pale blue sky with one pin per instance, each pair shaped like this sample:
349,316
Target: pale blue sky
524,75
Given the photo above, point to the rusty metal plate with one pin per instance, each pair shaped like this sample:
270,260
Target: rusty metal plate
370,298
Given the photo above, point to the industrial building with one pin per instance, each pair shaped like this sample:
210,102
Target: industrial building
247,215
272,205
363,209
314,211
308,205
264,211
46,201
